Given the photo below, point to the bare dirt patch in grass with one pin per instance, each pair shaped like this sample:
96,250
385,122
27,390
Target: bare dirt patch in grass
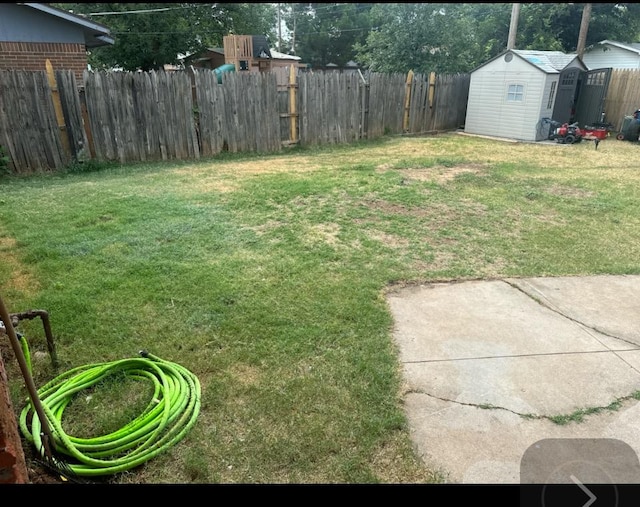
246,375
225,177
567,191
395,209
19,279
438,213
390,240
439,173
326,233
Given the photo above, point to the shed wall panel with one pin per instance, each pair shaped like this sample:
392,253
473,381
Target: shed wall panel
489,112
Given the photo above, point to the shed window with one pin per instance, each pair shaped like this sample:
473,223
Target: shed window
515,93
569,78
596,78
552,94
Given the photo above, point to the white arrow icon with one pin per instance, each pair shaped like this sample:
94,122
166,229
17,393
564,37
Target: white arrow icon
592,497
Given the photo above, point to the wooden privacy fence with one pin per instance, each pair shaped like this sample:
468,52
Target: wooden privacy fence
139,116
29,132
623,96
148,116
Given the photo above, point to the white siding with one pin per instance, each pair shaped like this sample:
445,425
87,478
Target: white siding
545,110
489,112
617,58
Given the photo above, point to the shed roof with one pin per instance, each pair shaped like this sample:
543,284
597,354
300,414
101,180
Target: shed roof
95,34
550,62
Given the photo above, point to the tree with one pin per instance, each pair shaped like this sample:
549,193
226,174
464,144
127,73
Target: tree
557,26
148,36
459,37
421,37
327,33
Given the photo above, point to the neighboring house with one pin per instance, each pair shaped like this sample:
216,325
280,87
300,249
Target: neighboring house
349,67
511,94
31,33
210,58
284,60
245,52
252,53
617,55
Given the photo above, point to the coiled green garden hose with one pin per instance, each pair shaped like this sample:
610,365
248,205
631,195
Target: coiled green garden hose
170,414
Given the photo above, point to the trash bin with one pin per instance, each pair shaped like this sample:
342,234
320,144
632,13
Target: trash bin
630,129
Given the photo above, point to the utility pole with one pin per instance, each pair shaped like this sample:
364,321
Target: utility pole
293,39
279,28
584,27
513,27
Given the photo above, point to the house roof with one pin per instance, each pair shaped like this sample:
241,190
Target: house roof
95,34
634,47
283,56
550,62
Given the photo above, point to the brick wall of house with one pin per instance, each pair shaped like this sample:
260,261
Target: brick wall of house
33,55
13,469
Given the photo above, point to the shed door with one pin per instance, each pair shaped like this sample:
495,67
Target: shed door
591,94
567,84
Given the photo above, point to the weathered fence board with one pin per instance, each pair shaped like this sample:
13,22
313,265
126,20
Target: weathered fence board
451,96
386,103
72,110
210,105
329,105
623,96
448,108
136,116
28,128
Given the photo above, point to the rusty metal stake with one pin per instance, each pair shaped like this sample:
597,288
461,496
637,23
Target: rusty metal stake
31,388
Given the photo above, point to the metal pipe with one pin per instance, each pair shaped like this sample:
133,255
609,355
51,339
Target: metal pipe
31,388
44,316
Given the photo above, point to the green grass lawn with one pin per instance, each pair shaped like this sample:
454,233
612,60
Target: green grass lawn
266,275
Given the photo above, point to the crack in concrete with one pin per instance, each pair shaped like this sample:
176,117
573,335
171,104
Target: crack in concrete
562,419
547,304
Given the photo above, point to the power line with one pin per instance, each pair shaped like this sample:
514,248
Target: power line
142,11
226,32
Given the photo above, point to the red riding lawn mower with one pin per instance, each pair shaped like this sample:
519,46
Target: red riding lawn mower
570,133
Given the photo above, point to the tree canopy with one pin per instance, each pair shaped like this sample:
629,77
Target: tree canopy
445,37
149,35
384,37
459,37
326,33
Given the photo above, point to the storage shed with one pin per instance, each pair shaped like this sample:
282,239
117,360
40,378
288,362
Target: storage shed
510,94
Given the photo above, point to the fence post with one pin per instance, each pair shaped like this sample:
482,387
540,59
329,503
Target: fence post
364,105
85,118
432,88
196,109
57,105
293,114
407,102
